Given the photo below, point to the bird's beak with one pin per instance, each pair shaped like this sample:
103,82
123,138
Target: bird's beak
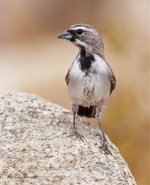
65,35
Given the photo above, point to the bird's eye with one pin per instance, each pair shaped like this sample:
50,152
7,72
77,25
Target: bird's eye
79,32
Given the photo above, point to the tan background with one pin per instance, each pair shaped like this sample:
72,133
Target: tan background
33,60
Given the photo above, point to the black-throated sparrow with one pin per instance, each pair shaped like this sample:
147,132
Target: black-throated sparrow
90,79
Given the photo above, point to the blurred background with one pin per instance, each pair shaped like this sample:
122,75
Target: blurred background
33,60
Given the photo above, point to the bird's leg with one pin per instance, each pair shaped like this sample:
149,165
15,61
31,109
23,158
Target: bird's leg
74,110
75,132
102,135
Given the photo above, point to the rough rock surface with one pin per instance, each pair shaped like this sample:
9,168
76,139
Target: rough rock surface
36,147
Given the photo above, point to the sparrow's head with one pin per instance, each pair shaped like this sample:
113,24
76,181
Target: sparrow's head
85,37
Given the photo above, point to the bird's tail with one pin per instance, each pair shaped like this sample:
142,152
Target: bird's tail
89,112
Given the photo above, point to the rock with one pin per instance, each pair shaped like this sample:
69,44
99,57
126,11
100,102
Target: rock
36,147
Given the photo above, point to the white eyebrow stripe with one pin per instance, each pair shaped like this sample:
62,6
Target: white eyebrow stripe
81,27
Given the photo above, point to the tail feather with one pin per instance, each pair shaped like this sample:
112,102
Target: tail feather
89,112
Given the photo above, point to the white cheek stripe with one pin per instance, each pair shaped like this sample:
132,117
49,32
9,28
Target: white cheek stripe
80,43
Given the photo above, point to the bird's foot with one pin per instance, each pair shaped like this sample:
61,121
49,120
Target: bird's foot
104,145
76,134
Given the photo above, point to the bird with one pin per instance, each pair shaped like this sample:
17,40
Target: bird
90,79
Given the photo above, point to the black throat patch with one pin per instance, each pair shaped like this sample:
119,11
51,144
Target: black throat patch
85,60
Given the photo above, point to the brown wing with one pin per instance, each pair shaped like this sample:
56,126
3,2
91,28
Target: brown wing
113,82
67,78
112,79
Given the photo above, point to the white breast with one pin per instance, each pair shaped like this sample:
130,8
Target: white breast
89,89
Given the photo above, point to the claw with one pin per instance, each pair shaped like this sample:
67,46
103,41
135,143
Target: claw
105,148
